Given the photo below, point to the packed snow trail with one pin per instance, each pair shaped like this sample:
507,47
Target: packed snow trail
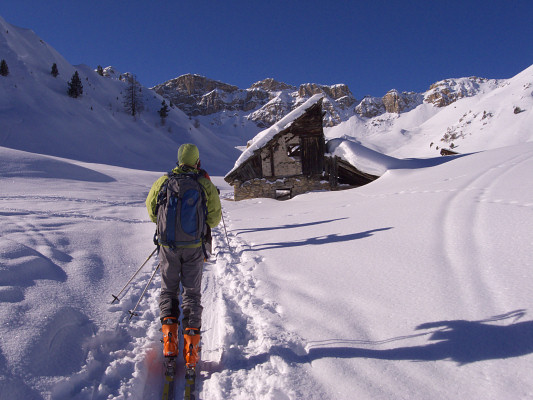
244,346
243,343
243,332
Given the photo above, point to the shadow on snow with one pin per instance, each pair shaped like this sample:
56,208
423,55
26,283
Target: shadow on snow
314,241
464,342
271,228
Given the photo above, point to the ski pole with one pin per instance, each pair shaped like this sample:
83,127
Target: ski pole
226,232
116,298
132,312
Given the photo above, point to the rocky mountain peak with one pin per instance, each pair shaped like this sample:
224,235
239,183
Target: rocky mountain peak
272,85
337,104
336,92
195,94
192,84
396,102
269,100
370,107
447,91
392,102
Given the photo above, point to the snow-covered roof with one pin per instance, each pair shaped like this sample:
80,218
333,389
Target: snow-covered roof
263,137
361,157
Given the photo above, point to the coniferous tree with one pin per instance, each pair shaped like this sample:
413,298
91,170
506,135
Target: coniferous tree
4,70
163,112
75,88
100,70
54,71
133,102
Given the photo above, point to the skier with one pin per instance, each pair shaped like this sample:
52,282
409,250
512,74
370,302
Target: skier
182,262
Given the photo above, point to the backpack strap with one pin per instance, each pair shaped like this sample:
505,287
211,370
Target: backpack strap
161,199
162,195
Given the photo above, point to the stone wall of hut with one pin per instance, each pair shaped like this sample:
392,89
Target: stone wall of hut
275,158
281,188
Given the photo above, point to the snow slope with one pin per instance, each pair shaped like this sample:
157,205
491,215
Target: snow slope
415,286
484,121
37,115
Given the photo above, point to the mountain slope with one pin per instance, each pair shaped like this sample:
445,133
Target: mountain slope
37,115
488,115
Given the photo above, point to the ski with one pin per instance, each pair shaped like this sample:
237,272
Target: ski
190,384
170,371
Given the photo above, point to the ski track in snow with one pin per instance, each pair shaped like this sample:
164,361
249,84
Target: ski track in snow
462,233
243,332
241,339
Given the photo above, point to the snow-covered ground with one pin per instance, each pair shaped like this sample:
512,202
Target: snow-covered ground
415,286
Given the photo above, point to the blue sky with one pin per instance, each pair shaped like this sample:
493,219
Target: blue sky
372,46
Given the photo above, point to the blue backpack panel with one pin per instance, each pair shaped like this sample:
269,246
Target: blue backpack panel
182,211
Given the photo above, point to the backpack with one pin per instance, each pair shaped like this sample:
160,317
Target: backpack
181,211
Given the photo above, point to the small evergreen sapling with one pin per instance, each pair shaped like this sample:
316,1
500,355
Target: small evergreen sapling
163,112
55,71
4,70
133,98
75,88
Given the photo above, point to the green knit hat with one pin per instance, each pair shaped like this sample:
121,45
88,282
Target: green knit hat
188,154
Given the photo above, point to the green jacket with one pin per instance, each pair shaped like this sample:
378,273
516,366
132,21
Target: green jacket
214,208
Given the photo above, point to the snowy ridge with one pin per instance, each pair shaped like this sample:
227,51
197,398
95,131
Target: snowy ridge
500,114
37,115
252,328
447,91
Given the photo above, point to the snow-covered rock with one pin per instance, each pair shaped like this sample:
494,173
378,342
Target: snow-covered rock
445,92
264,103
484,114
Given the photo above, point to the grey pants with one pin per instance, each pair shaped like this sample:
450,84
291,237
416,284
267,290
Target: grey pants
182,266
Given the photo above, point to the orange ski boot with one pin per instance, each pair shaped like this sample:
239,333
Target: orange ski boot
170,337
191,346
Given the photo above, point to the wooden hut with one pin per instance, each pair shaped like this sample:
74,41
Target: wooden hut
289,158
